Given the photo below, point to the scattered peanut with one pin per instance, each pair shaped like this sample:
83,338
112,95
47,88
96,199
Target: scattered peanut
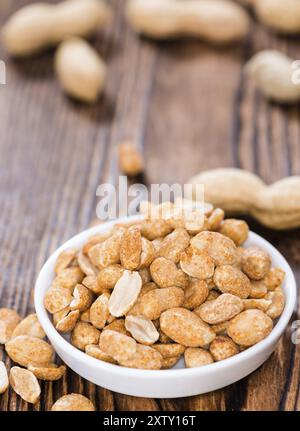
26,350
38,26
9,319
25,384
3,378
29,326
216,21
130,160
48,373
73,403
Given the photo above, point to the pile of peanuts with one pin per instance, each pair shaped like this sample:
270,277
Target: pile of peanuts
177,282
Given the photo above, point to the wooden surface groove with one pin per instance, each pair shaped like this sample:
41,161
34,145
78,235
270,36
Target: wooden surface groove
188,107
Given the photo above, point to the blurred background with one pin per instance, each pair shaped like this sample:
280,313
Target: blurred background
188,107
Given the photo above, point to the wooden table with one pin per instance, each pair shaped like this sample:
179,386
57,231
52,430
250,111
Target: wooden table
189,108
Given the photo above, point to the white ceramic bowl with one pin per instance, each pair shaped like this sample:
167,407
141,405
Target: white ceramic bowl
177,382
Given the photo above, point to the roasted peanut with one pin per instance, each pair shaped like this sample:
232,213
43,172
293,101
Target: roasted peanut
125,293
281,16
197,357
48,373
155,229
117,345
174,244
117,325
221,328
85,265
9,319
56,299
250,327
153,303
195,294
216,218
260,304
3,378
107,252
186,328
95,351
130,160
221,309
169,362
91,282
38,26
131,248
223,347
64,260
68,322
256,263
274,278
68,278
73,402
29,326
82,298
141,329
237,230
165,273
169,350
219,247
25,384
197,263
99,312
84,334
145,357
216,21
229,279
278,303
26,350
258,290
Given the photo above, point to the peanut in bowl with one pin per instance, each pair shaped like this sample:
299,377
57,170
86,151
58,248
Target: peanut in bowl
167,383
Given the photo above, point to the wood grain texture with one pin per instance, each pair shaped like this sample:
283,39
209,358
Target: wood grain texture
188,107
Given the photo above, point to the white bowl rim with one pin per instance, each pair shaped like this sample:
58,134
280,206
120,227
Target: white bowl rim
102,366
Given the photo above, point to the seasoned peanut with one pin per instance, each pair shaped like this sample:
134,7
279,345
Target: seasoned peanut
64,260
141,329
153,303
130,160
216,21
221,309
215,219
95,351
274,278
29,326
221,328
117,325
186,328
25,350
56,299
260,304
117,345
48,373
169,362
85,265
68,278
145,357
195,294
125,293
250,327
165,273
197,263
68,322
3,378
258,289
9,319
131,248
84,334
91,282
82,298
155,229
278,303
99,312
229,279
256,263
25,384
169,350
237,230
197,357
174,244
73,403
281,16
38,26
219,247
80,70
223,347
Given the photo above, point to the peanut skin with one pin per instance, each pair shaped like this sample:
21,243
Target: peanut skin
38,26
216,21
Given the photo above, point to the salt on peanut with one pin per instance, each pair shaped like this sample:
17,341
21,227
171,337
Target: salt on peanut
68,278
223,347
169,362
256,263
9,319
250,327
224,308
82,298
73,402
84,334
258,289
3,378
108,277
174,244
169,350
260,304
117,345
274,278
277,303
145,357
107,252
117,325
153,303
25,350
155,228
68,322
86,265
49,373
186,328
197,263
131,248
25,384
215,219
141,329
197,357
64,260
229,279
95,351
57,298
165,273
219,247
125,293
91,282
